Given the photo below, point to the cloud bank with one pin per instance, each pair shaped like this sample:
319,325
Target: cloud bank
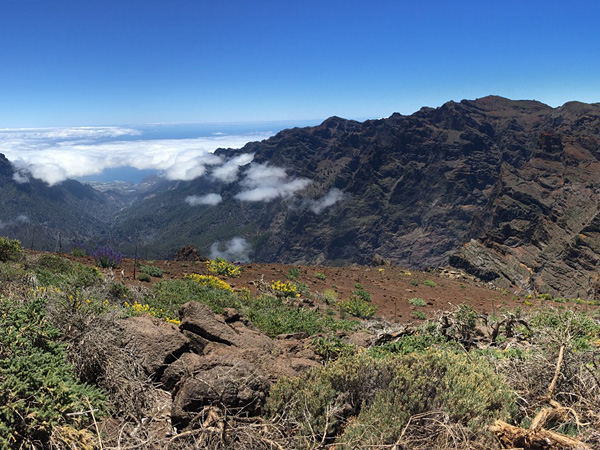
262,182
55,154
237,249
208,199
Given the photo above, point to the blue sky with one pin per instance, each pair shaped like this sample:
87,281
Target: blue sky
115,62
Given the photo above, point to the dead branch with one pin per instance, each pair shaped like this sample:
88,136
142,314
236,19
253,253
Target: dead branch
540,439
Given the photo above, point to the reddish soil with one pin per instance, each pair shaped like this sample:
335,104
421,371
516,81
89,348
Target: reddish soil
391,287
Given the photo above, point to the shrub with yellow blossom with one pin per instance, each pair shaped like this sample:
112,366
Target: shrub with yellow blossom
210,281
284,289
143,309
220,266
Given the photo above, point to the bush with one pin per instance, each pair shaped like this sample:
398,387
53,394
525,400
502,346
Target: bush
78,252
169,295
273,317
293,273
210,281
144,277
55,270
331,348
358,307
361,293
416,301
38,389
365,402
320,276
284,289
429,283
106,257
152,271
220,266
419,315
10,249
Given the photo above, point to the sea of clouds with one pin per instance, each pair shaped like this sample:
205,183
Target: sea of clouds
56,154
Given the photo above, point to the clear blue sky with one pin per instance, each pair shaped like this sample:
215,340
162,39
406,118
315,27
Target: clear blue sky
92,62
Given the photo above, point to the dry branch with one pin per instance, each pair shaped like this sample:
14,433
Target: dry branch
538,439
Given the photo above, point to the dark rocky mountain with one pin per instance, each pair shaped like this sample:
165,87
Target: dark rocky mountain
507,190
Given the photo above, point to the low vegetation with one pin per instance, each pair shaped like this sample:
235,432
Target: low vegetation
447,383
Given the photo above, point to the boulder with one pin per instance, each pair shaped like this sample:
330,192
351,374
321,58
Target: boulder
199,319
224,381
154,342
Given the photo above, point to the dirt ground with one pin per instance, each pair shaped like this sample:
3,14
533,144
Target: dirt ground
391,287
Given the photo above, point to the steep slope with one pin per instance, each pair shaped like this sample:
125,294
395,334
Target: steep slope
33,211
540,228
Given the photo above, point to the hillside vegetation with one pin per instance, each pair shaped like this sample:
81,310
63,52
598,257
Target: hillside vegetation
87,362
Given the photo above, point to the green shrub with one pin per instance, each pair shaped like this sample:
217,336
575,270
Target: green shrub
152,271
331,348
38,389
273,317
418,342
78,252
365,402
284,289
358,307
579,328
169,295
119,292
10,249
429,283
293,273
329,296
320,276
55,270
362,293
144,277
416,301
419,315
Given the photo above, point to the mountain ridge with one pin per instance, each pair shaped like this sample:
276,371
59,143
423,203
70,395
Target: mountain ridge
505,189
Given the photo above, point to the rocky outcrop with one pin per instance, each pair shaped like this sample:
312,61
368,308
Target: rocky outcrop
210,360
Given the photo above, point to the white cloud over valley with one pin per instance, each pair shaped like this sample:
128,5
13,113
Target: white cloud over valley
55,154
236,249
208,199
263,182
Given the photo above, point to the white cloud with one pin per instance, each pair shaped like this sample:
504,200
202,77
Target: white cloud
61,134
228,172
263,183
55,154
20,177
331,198
237,249
208,199
19,220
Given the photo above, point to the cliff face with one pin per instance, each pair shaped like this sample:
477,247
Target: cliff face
508,190
540,228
